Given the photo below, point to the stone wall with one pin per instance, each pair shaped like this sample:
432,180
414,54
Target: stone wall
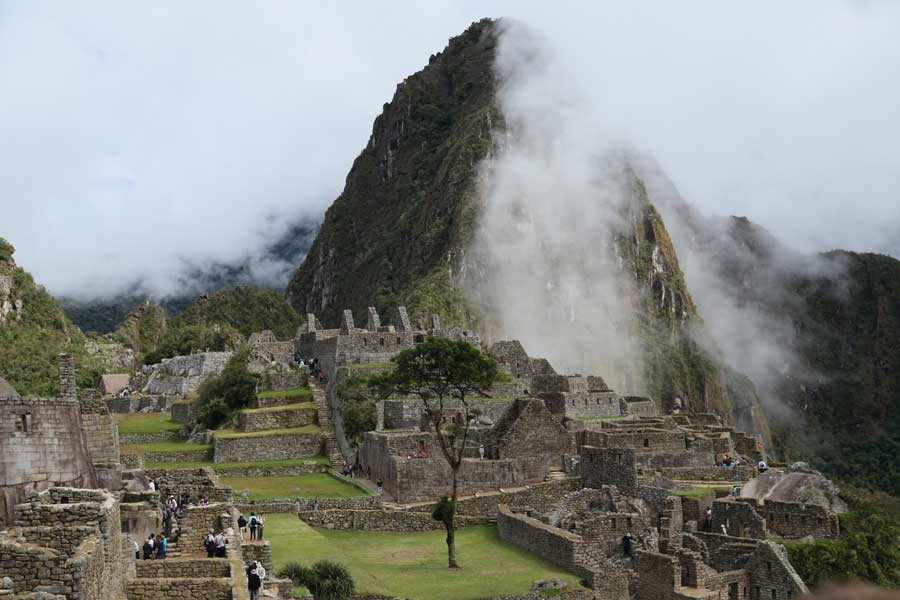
564,549
179,589
42,444
793,520
305,469
382,520
202,454
100,432
148,438
184,568
771,574
609,466
180,375
409,413
298,378
196,483
528,428
183,412
739,518
259,552
267,447
250,421
297,505
70,538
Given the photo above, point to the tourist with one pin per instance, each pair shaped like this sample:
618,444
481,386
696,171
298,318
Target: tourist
220,544
481,451
253,584
260,570
163,546
242,525
380,486
172,503
151,483
148,547
209,542
137,551
724,529
253,523
761,466
626,545
316,505
260,521
734,491
707,519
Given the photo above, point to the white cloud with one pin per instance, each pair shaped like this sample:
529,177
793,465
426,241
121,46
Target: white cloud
135,135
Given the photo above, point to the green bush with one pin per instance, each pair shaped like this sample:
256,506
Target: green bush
357,407
220,396
294,571
868,548
329,580
246,309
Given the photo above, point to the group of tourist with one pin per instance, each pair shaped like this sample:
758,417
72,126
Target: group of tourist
154,547
348,471
215,543
255,524
256,574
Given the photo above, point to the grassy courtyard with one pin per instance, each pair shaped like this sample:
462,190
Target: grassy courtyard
170,446
231,433
414,565
146,423
313,485
698,491
296,392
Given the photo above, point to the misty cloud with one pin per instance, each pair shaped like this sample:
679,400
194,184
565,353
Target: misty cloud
138,138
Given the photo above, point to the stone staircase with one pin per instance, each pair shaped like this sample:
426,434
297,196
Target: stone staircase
335,457
555,474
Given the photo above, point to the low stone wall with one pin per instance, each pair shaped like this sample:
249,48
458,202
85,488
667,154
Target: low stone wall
273,471
382,520
251,421
126,404
793,520
205,568
262,552
296,505
179,589
710,473
202,455
132,461
285,381
147,438
540,497
196,483
267,447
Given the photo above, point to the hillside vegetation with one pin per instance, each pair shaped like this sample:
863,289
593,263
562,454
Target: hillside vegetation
33,331
246,309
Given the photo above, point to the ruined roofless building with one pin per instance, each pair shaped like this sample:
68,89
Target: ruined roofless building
43,444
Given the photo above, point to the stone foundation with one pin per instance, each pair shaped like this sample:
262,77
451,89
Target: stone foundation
267,447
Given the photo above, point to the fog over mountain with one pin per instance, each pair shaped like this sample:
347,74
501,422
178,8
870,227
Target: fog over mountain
143,143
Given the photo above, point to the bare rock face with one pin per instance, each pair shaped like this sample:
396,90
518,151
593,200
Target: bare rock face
799,483
9,309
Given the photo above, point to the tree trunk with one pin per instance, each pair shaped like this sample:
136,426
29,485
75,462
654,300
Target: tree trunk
451,529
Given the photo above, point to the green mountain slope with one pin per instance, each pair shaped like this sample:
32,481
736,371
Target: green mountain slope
247,309
400,231
143,328
33,330
395,233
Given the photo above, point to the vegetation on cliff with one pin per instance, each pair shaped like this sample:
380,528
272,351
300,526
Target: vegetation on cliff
395,233
143,328
33,331
247,309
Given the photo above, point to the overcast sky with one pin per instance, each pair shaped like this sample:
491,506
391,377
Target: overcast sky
134,134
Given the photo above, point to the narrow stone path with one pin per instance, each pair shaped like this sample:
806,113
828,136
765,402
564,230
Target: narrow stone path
331,448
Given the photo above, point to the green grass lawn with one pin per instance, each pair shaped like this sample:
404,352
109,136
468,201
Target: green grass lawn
285,393
130,423
172,446
258,464
295,406
414,565
231,433
314,485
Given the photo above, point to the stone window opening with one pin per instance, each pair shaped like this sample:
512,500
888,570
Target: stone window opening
774,594
818,520
365,342
628,522
399,341
612,522
381,341
419,339
619,458
64,500
646,442
769,568
23,423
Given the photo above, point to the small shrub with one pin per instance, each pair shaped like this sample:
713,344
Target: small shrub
294,571
329,580
214,413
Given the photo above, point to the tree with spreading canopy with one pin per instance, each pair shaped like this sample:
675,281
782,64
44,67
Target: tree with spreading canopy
438,371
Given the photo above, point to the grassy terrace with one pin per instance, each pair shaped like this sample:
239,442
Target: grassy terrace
414,565
295,406
313,485
372,365
146,423
170,446
231,433
305,392
258,464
